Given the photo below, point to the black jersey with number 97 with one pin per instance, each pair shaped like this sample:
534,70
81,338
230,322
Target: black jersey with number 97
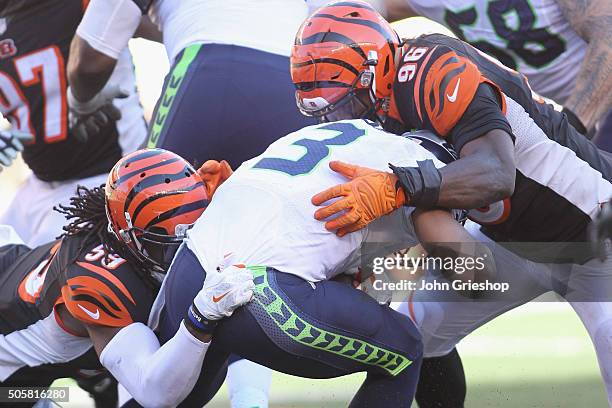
35,38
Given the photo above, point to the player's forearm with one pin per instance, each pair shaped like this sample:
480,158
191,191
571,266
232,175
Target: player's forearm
442,237
474,182
591,97
592,20
101,37
88,70
155,376
484,174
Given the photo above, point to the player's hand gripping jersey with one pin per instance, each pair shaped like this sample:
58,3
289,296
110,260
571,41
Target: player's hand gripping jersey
449,87
35,41
279,185
96,291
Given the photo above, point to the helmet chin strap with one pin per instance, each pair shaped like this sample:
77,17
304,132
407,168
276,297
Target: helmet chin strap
369,79
372,62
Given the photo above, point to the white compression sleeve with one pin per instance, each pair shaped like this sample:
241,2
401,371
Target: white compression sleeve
155,376
108,25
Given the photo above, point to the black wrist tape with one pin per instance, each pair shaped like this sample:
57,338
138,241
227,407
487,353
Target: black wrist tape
421,184
198,322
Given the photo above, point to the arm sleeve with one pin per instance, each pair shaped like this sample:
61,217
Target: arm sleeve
155,376
108,25
483,114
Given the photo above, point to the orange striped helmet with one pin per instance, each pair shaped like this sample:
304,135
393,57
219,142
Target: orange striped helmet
343,62
152,197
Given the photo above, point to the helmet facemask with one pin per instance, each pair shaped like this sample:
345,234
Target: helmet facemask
359,102
342,48
154,250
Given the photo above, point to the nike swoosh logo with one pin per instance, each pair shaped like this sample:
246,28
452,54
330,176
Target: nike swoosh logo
94,316
453,97
218,298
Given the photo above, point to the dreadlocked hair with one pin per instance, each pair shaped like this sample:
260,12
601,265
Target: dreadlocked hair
87,215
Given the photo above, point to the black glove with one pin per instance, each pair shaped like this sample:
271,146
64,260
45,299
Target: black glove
86,118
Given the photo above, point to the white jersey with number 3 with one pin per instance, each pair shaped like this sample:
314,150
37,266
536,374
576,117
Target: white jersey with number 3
263,214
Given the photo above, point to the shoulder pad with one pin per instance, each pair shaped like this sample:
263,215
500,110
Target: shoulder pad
435,87
105,290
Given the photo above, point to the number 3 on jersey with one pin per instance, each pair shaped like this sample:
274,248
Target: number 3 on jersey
45,68
316,150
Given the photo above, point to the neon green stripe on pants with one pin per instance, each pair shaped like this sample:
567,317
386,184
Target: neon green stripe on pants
172,87
308,334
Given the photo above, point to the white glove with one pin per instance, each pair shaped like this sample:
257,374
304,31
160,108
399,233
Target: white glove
10,145
86,118
222,293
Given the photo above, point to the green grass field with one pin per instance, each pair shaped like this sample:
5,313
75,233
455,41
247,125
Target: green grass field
535,356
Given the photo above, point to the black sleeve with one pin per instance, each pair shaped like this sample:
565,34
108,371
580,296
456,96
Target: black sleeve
483,114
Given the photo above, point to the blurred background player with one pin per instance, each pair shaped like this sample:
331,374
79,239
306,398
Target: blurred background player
33,88
62,149
561,46
228,85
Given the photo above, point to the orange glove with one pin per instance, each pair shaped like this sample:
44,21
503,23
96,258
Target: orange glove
214,174
369,195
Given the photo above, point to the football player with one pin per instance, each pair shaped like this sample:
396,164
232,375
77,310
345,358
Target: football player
560,45
82,302
63,148
301,320
227,59
559,178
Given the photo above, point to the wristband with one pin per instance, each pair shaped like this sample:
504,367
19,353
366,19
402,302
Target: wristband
198,322
421,184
